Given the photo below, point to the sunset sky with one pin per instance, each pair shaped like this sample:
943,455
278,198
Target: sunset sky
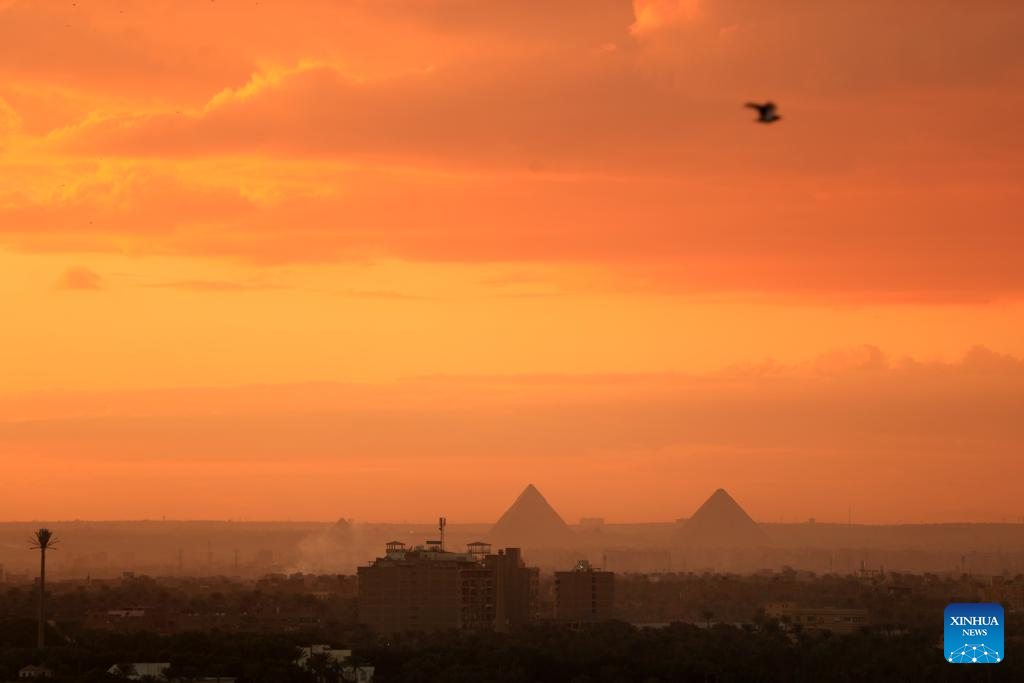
390,259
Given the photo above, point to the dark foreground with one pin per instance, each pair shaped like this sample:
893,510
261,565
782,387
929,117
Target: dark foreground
608,652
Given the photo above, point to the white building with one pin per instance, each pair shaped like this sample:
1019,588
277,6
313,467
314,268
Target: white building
139,670
357,674
332,655
349,673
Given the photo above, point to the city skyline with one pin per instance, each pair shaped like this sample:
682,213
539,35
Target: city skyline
510,340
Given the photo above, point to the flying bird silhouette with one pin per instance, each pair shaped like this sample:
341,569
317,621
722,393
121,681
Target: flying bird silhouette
765,112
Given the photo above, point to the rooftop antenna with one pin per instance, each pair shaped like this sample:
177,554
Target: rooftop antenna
42,541
441,524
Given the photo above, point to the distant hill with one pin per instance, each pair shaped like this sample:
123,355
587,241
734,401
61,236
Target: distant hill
720,523
531,522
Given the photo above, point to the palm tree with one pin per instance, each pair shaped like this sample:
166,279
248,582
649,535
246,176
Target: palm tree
42,541
319,663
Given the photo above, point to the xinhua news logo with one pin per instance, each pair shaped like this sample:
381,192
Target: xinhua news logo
974,633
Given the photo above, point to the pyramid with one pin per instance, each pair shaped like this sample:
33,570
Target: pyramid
531,522
721,523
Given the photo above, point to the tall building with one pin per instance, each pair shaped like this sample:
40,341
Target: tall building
516,586
427,588
584,594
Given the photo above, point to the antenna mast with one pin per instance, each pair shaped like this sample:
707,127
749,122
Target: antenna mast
42,541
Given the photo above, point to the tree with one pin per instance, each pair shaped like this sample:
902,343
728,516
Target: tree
42,541
125,670
319,664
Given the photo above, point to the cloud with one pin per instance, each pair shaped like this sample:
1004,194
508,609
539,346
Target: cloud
101,48
9,119
508,134
511,116
853,426
777,238
228,286
652,15
680,239
384,294
215,286
79,278
860,393
100,205
599,115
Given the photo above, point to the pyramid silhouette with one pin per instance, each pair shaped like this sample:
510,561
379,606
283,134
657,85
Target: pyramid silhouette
721,523
531,522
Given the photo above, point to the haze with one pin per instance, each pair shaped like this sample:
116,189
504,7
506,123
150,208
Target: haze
391,260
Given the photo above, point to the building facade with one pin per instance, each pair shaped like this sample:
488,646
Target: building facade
516,587
427,588
584,594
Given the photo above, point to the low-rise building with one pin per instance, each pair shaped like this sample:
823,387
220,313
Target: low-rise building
137,671
320,657
357,674
308,655
35,671
834,619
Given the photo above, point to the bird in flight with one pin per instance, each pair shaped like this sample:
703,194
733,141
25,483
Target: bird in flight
765,112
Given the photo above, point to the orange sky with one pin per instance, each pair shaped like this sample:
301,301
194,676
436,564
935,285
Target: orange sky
390,259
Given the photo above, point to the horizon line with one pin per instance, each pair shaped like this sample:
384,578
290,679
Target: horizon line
206,520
